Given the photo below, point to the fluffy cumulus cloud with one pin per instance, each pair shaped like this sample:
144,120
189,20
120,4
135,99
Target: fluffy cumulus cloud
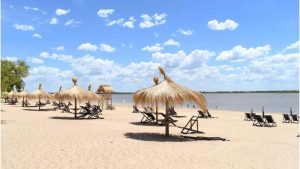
87,47
154,48
10,58
36,35
191,68
53,21
106,48
227,24
154,20
104,13
240,53
24,27
171,42
186,32
293,46
129,23
60,12
122,22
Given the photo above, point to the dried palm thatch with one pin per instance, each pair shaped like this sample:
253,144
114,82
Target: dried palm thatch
39,94
57,95
169,93
12,94
75,93
23,94
93,96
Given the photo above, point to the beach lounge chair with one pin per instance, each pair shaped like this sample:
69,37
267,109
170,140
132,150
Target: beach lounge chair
248,117
89,112
170,119
201,114
172,111
135,109
147,117
269,122
295,118
286,118
258,121
66,107
188,128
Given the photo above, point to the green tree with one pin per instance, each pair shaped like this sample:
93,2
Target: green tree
12,74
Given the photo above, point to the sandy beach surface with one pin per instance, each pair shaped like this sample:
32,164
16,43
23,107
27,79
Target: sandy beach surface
51,139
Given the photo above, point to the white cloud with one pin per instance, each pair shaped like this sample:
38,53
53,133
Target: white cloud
115,22
59,48
36,35
155,48
293,46
182,60
35,60
72,22
104,13
239,53
62,57
171,42
106,48
129,23
228,24
34,9
10,58
53,21
185,32
24,27
60,12
87,47
154,20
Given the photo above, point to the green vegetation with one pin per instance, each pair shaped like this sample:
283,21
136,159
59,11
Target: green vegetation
12,74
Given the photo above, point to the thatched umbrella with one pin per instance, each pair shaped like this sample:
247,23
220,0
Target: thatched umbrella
39,93
12,94
75,93
156,81
168,93
57,95
5,95
23,95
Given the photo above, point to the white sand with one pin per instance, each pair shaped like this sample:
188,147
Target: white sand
45,139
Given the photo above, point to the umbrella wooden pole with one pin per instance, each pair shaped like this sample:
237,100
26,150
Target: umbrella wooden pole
167,119
156,112
75,108
39,102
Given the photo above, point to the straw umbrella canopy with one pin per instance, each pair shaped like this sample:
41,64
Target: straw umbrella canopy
39,93
23,94
57,94
12,93
169,93
75,93
93,96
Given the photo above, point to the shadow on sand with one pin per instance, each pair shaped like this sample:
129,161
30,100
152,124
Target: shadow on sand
39,110
146,124
155,137
73,118
171,138
6,121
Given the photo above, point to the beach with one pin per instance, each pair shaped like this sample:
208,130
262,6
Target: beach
51,139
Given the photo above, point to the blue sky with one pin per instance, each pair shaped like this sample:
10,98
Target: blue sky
205,45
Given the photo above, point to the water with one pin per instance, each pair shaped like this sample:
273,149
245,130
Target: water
272,102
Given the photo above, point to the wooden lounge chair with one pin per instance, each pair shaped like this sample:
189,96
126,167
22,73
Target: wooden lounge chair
170,120
258,121
188,128
89,112
147,117
253,115
201,114
269,122
248,117
286,118
172,111
295,118
135,109
66,107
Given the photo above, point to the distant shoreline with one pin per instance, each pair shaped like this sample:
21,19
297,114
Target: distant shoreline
271,91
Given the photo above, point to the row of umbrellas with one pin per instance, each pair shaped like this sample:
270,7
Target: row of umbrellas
75,93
